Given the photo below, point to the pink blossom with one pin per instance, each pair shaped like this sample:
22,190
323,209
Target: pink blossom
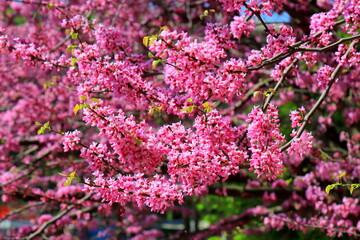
241,27
299,148
265,138
72,140
44,218
323,75
297,117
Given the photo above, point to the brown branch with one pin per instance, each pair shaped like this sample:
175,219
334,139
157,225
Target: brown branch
251,92
116,15
19,210
291,221
277,86
319,101
258,15
29,172
329,46
54,64
292,49
61,43
55,218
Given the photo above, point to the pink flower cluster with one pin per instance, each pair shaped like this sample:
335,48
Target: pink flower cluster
188,62
299,148
261,6
219,35
72,140
134,143
139,151
239,26
265,137
297,117
204,156
98,156
155,192
76,23
323,75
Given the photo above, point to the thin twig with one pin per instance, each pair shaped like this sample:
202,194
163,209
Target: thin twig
292,49
257,14
319,101
329,46
55,218
22,209
29,172
251,92
291,221
61,43
277,86
116,15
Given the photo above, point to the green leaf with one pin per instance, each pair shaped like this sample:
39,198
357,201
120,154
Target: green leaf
155,109
164,28
83,97
256,94
138,141
342,174
331,187
328,188
205,14
50,5
95,100
156,62
47,125
73,61
41,131
188,109
288,181
69,178
71,48
189,100
75,35
60,132
207,107
353,187
49,84
152,111
269,92
272,90
149,40
83,105
76,108
9,11
79,107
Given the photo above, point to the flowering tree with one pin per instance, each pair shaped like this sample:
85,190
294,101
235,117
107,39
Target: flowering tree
121,111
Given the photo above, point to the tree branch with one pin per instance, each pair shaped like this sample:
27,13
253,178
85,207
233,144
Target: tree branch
277,86
319,101
55,218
